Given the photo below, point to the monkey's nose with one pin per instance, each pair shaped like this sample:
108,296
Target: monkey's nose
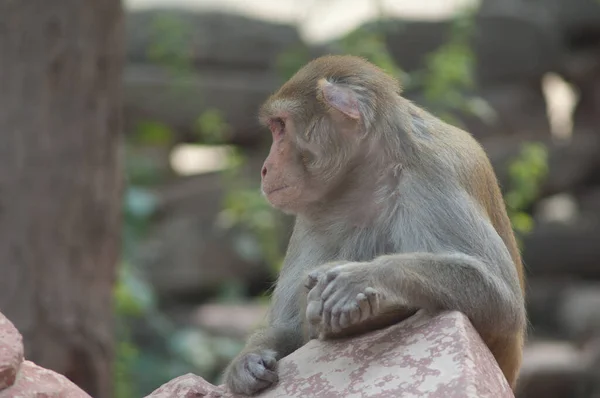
263,172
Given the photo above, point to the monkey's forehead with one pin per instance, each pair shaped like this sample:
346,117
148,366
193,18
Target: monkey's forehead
296,105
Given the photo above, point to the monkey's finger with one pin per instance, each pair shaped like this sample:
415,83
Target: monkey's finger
336,313
331,274
345,317
326,318
354,314
373,299
314,311
329,289
269,360
260,372
311,280
365,308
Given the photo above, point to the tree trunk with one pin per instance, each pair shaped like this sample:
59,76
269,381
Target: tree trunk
60,181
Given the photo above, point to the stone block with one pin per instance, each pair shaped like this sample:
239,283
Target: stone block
425,356
11,352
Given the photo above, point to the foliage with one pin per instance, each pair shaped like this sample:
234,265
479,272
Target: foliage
527,171
449,71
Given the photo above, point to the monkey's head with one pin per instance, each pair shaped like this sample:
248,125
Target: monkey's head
323,123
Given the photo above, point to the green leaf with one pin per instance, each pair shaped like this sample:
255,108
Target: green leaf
153,133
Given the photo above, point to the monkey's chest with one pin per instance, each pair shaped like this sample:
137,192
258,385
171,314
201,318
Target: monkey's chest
357,246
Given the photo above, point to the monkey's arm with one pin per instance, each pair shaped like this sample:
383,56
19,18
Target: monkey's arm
464,266
453,281
254,369
283,333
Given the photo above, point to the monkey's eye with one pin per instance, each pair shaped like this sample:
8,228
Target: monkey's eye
278,126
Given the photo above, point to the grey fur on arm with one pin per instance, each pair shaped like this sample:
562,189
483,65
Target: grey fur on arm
437,281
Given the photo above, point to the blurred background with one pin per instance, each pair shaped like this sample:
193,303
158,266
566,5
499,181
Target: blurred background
134,243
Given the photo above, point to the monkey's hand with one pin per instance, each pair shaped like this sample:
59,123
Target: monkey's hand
340,296
252,372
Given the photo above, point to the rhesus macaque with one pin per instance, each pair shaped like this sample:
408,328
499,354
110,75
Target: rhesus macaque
395,211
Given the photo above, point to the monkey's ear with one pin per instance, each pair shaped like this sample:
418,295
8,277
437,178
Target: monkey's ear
341,98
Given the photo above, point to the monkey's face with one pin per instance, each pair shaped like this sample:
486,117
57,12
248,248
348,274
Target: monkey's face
309,154
290,181
319,123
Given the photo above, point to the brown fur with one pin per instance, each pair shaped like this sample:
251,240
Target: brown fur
396,210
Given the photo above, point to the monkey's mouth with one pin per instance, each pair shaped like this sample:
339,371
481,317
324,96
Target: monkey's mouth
276,190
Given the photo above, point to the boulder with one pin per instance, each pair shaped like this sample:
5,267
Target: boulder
579,311
564,250
555,369
424,356
214,39
560,309
571,164
186,386
11,352
24,379
512,54
34,381
152,94
219,61
508,46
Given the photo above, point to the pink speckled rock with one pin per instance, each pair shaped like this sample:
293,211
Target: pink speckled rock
186,386
36,382
11,352
425,357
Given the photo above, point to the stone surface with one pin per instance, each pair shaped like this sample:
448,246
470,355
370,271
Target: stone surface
186,386
152,93
11,352
36,382
207,38
439,356
555,369
557,250
579,311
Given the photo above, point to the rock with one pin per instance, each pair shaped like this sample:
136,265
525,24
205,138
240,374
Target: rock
554,369
582,70
409,42
544,295
579,311
186,386
511,47
235,320
11,352
579,20
214,39
589,200
572,164
507,46
225,61
564,309
424,356
34,382
507,76
151,94
557,250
